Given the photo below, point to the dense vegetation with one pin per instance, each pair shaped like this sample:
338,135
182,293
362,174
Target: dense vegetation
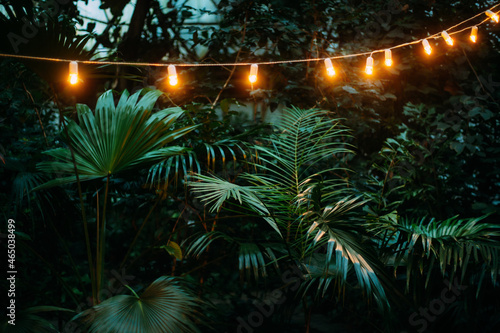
372,205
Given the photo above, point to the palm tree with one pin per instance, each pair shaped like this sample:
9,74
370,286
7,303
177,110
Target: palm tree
108,141
300,189
297,190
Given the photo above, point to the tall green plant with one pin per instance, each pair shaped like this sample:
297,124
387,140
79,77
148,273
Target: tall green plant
297,190
109,141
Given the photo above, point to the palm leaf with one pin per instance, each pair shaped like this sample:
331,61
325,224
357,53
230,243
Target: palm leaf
451,244
215,191
346,245
114,139
163,307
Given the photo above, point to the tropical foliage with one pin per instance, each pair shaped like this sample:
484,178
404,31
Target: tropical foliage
299,204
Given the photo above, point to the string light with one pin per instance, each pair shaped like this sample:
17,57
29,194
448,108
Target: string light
173,79
492,16
369,65
473,34
427,46
73,72
329,67
172,75
388,57
447,38
253,73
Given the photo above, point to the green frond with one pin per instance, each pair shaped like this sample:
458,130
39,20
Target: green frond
451,244
163,307
251,260
215,191
346,245
114,139
200,244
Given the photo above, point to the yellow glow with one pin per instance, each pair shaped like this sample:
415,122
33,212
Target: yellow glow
493,16
369,66
253,73
447,38
473,34
329,67
73,78
172,75
427,46
73,72
172,80
388,58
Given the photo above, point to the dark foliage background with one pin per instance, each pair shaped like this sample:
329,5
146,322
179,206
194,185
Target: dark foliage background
425,135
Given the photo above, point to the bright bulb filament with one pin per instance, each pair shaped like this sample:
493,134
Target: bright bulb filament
369,66
253,73
493,16
73,78
329,67
388,58
172,80
427,46
172,75
73,72
447,38
473,34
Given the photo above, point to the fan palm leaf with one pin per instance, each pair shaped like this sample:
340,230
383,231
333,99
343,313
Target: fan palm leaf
114,139
163,307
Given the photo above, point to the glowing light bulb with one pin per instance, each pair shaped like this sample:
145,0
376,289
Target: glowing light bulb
253,73
427,46
329,67
447,38
73,72
172,75
493,16
473,34
369,65
388,58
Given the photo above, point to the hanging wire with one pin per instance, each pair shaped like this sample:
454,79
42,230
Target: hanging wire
352,55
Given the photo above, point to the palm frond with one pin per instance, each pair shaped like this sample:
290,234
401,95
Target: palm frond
451,244
347,246
215,191
306,138
200,244
163,307
251,260
114,139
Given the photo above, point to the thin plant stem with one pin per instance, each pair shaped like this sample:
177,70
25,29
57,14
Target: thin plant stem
102,242
138,233
80,196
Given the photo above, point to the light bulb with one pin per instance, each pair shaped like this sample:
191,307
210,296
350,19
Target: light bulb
492,16
73,72
473,34
329,67
388,58
447,38
253,73
427,46
172,75
369,65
